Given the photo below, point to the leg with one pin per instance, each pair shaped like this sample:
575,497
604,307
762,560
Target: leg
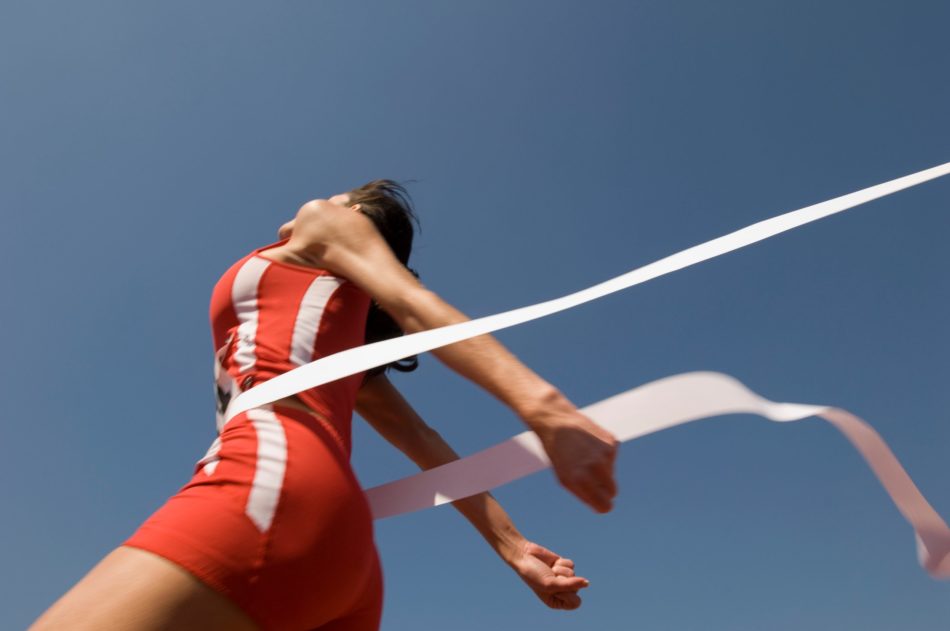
136,590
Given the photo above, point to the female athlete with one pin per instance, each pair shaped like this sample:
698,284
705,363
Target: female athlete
273,530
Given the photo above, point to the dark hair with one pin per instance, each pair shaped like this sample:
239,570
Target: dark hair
388,205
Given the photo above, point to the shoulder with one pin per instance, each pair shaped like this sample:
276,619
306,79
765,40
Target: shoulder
322,223
339,239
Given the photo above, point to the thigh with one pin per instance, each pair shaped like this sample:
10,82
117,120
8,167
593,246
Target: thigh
135,590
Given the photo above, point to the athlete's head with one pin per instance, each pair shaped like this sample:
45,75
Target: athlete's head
389,206
386,203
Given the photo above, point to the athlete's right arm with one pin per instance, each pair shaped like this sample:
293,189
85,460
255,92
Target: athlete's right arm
347,243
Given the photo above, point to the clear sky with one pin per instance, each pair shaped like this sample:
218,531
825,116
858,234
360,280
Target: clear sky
144,147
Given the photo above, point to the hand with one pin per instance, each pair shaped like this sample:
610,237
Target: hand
549,576
582,454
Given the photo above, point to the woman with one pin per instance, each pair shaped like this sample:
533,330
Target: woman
273,531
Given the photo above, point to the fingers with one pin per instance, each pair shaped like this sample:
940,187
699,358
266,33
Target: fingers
565,562
603,472
559,588
563,567
567,600
606,480
600,484
549,558
560,565
557,584
595,493
583,457
590,489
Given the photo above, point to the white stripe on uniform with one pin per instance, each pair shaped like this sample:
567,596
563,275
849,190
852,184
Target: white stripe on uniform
244,300
308,318
211,459
271,464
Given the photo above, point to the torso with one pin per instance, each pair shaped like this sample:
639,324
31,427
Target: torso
272,312
280,255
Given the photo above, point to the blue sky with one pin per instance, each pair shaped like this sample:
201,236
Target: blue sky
145,147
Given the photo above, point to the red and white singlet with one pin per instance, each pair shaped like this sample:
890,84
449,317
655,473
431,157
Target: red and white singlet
273,516
268,317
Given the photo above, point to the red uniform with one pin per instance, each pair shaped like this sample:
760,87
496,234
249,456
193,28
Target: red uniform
274,517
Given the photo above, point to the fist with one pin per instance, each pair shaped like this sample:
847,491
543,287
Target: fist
582,455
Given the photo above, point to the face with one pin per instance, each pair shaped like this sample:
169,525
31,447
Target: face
341,199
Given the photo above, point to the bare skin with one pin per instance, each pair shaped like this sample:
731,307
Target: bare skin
550,576
136,590
333,235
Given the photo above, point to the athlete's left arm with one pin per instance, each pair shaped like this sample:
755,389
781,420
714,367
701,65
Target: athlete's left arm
550,576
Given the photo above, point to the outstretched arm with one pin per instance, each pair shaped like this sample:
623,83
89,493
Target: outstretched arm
582,453
550,576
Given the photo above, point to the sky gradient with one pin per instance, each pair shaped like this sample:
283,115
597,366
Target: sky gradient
551,145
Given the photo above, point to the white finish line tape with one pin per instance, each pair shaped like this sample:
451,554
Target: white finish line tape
932,532
362,358
657,406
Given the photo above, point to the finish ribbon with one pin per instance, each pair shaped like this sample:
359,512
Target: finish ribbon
657,406
688,397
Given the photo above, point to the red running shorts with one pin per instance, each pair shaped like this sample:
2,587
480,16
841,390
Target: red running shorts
275,520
